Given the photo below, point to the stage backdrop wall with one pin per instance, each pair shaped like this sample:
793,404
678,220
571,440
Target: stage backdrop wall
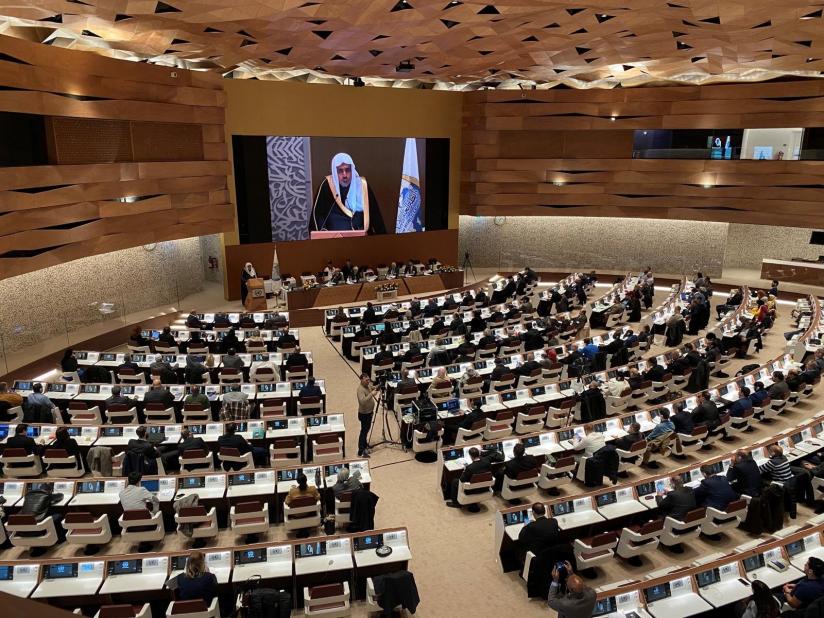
287,108
307,255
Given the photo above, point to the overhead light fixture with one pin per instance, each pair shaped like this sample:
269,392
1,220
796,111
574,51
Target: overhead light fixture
613,118
405,66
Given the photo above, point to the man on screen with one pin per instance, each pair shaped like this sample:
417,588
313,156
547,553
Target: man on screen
345,201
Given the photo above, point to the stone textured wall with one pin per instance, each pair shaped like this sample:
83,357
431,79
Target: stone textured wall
210,246
592,242
747,245
51,301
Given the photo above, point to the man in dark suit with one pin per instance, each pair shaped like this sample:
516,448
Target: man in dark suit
655,372
541,533
679,501
481,297
477,324
383,356
310,389
706,412
478,466
499,371
141,445
678,364
117,399
487,339
297,359
188,442
469,419
159,394
520,462
633,435
529,365
166,338
21,440
230,439
369,316
714,490
683,422
744,475
128,363
286,340
742,405
693,356
229,342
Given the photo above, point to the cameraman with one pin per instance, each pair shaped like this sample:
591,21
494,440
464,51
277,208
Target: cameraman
579,599
366,408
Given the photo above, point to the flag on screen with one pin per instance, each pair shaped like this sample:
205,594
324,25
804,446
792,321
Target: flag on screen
410,215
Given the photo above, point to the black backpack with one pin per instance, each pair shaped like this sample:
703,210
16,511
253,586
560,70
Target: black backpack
264,602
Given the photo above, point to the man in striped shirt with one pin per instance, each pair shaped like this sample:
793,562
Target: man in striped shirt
796,481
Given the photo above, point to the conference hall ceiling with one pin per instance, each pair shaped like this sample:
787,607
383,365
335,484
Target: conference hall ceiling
455,44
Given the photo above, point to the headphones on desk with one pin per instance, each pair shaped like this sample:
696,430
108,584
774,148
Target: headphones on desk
383,551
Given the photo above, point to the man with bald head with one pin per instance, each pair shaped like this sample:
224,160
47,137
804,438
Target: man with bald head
579,599
159,394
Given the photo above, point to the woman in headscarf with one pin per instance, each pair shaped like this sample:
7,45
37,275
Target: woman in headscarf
345,201
247,273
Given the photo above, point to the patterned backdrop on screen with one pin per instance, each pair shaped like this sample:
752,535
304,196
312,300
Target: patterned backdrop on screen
290,187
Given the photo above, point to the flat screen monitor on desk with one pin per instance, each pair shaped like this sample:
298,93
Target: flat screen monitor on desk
562,508
362,543
243,478
519,517
795,548
754,562
6,573
112,432
657,593
179,563
607,498
287,475
152,485
708,578
305,550
280,423
60,571
604,607
250,556
125,567
90,487
193,482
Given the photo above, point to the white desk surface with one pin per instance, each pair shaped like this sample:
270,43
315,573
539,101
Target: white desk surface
277,568
95,499
642,613
773,578
20,588
289,432
368,557
649,501
573,520
513,531
517,403
620,509
112,441
799,560
253,489
680,606
329,428
493,407
205,493
319,564
69,587
134,582
726,592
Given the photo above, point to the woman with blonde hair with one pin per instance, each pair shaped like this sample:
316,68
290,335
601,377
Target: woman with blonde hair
196,582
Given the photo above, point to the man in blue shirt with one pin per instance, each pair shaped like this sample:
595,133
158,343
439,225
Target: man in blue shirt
590,349
804,592
759,394
743,405
658,436
714,491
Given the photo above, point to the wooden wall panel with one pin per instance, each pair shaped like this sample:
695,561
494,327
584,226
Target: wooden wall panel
569,152
136,153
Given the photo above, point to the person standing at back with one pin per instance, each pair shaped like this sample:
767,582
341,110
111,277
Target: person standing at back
579,600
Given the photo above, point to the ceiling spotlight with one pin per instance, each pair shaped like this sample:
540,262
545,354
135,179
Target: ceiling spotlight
405,66
613,118
358,82
707,186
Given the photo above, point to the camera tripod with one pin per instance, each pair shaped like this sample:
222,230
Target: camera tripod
467,266
384,412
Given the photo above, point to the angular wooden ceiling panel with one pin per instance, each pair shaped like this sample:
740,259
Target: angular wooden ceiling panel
604,43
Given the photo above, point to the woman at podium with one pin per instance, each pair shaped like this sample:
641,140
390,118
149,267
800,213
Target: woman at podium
247,273
345,202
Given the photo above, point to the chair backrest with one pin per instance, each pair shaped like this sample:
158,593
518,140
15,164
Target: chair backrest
248,507
136,515
302,501
695,515
605,538
188,607
527,474
20,519
14,452
229,452
116,611
736,505
656,525
56,452
564,462
326,590
193,453
483,477
79,517
192,511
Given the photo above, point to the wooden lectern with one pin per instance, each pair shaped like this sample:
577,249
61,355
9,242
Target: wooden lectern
256,298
